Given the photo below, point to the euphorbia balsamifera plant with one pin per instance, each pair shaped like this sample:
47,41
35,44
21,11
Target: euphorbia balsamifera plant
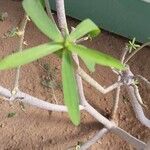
67,45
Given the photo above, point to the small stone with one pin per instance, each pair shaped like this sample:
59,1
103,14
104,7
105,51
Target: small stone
3,16
2,125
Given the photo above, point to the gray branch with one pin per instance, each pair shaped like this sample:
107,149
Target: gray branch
137,107
135,103
94,139
26,98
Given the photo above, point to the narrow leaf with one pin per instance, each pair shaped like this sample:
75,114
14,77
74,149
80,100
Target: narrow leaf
71,97
28,55
59,53
86,27
42,2
36,12
95,56
90,64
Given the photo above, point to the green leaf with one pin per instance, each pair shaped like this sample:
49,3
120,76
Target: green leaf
84,28
59,53
95,56
28,55
36,12
71,97
42,2
90,64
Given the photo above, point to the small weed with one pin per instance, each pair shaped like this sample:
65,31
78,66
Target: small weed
11,114
11,33
49,79
22,106
132,45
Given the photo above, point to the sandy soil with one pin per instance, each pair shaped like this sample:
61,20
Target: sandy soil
35,128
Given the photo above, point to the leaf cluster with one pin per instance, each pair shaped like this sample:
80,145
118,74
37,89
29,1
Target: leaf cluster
66,46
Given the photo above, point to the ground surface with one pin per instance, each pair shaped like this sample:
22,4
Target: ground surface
35,128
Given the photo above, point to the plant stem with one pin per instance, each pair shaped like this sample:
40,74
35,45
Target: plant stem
49,12
94,139
60,8
137,107
64,29
113,128
144,79
26,98
116,102
22,32
137,50
96,85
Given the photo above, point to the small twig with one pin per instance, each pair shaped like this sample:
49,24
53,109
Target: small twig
60,8
21,31
49,12
82,39
47,70
123,56
96,85
137,94
144,79
116,102
135,51
54,95
94,139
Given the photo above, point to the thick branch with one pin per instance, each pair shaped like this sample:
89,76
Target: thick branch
64,29
113,128
62,17
139,145
137,107
26,98
135,104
